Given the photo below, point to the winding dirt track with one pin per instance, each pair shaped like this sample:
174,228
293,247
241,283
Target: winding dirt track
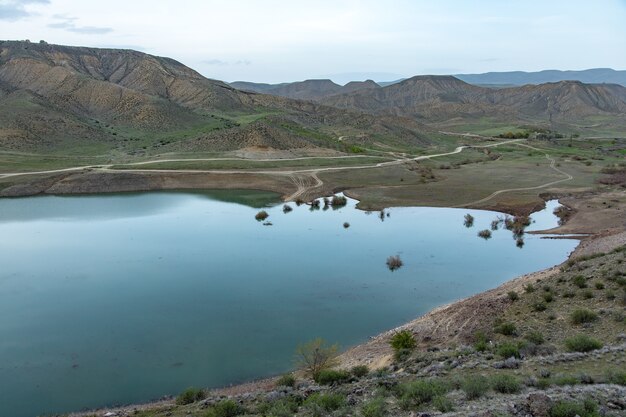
301,177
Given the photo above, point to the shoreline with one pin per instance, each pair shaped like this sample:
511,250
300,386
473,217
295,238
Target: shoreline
432,326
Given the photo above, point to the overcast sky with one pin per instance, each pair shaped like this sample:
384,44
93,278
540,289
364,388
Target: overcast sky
289,40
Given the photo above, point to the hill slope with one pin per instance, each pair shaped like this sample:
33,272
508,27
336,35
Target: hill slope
590,76
103,100
438,98
306,90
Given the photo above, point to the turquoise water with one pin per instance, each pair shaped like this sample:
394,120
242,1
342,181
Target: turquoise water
115,299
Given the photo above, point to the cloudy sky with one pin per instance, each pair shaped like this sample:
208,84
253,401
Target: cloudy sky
289,40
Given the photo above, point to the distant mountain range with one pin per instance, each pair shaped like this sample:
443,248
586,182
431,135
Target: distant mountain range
512,78
306,90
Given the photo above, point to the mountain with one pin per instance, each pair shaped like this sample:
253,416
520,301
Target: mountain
61,97
513,78
306,90
436,98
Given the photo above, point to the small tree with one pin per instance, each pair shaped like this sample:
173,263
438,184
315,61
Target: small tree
468,220
315,356
394,262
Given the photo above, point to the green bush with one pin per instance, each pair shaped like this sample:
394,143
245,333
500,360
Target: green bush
376,407
360,371
513,295
332,376
539,306
338,201
480,342
572,409
616,377
190,395
506,384
475,386
599,286
535,337
325,402
580,281
587,294
284,407
286,380
582,343
548,297
443,404
226,408
416,393
529,288
583,315
403,340
507,329
507,350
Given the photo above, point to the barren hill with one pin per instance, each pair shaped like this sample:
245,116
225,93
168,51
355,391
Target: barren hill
306,90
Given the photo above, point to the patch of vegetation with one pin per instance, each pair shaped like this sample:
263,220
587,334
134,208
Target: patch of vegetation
572,409
320,404
376,407
475,386
332,376
360,371
416,393
535,337
513,295
582,343
468,220
583,315
338,201
485,234
506,384
286,380
190,395
226,408
507,329
508,350
403,340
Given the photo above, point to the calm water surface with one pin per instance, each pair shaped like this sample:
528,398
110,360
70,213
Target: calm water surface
115,299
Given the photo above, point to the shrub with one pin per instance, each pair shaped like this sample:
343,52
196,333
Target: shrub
587,294
485,234
569,294
286,380
475,387
360,371
346,225
403,340
416,393
468,220
287,208
616,377
572,409
226,408
325,402
507,329
338,201
316,355
332,376
529,288
582,315
480,342
284,407
535,337
394,262
513,295
443,404
506,384
580,281
261,215
507,350
376,407
599,286
539,306
610,295
190,395
548,297
582,343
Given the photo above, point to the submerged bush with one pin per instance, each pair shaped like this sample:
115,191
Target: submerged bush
468,220
346,225
394,262
485,234
261,215
338,201
287,208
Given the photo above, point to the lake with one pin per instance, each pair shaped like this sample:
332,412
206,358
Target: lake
114,299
